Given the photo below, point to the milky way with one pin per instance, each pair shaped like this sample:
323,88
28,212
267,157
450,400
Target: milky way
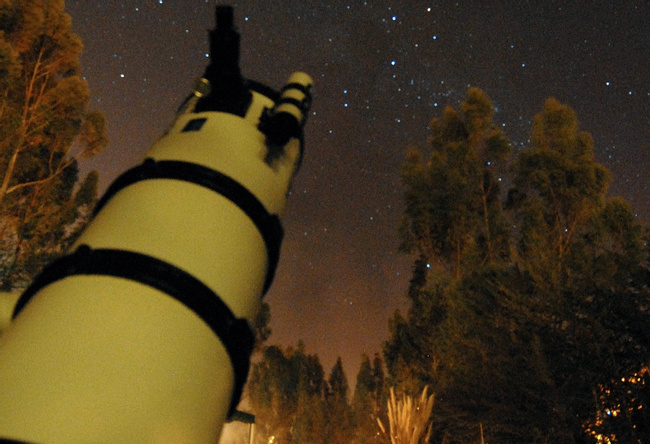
382,70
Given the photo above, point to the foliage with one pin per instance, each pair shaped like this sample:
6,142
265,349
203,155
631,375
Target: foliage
44,129
559,187
262,327
363,408
453,215
338,412
522,309
369,399
463,340
409,419
293,402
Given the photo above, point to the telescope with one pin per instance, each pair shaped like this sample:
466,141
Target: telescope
142,332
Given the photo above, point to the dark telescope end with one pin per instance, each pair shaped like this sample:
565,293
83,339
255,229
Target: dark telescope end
224,17
228,90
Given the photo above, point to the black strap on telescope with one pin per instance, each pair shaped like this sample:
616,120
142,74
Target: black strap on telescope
268,225
235,334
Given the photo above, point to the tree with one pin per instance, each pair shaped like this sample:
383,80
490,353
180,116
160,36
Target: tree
453,214
363,409
287,391
45,129
338,408
338,383
293,402
379,382
578,249
455,226
262,327
369,399
558,188
310,423
468,341
508,316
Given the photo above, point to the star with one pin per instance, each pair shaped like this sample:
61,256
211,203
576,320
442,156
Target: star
382,71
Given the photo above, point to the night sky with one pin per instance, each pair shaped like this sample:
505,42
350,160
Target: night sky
382,70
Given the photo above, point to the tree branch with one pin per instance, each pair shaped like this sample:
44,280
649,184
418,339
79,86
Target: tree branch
47,179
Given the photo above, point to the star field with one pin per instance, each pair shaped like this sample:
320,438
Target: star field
382,70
